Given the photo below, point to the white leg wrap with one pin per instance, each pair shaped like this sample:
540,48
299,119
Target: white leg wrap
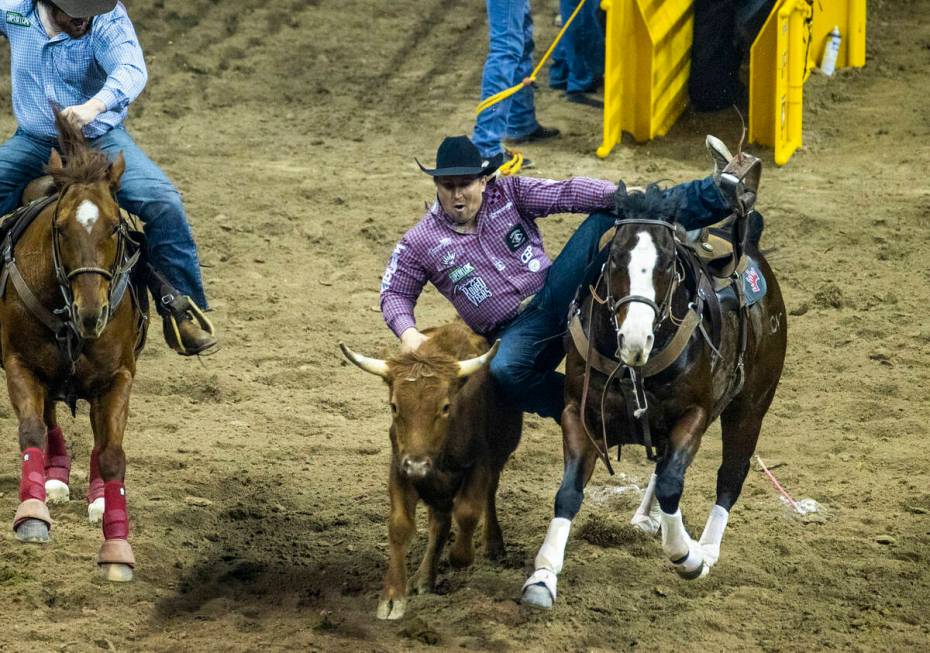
545,577
647,516
685,553
552,553
713,534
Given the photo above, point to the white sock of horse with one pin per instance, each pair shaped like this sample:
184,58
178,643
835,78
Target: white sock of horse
684,552
713,534
548,562
646,517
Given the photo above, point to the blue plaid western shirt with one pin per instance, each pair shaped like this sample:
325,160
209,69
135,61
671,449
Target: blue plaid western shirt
105,64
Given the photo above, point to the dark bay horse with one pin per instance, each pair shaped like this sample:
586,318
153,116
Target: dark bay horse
669,364
71,327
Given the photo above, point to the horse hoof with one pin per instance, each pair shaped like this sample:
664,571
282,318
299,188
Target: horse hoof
32,530
699,572
645,524
95,511
537,596
392,608
56,491
115,572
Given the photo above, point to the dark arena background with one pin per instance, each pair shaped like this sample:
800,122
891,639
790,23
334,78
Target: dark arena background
257,477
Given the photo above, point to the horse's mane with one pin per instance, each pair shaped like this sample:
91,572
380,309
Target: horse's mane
650,204
82,163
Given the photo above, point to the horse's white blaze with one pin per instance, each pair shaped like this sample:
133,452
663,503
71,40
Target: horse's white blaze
637,327
88,214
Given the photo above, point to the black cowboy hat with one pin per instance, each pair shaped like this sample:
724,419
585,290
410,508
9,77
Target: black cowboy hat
457,156
85,8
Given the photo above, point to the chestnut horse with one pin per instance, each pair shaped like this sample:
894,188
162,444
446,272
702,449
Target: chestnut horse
71,327
655,387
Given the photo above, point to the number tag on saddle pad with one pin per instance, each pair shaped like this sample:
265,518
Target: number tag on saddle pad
753,283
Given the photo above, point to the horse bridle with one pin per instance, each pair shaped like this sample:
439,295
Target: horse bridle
661,311
116,276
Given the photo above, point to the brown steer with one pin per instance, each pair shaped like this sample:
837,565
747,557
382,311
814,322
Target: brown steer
450,438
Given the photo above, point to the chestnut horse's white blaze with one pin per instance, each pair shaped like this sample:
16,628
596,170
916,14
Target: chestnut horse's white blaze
87,215
637,326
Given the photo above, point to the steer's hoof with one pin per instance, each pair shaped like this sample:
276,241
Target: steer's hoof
32,530
56,491
95,511
392,608
115,572
537,596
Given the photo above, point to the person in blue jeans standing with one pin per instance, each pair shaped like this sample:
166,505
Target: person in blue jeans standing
84,56
578,60
510,60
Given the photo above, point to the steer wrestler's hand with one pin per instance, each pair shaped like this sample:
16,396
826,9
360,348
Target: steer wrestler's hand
82,114
411,339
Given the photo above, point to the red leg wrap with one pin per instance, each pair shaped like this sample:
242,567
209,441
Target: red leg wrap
115,517
95,488
57,461
32,481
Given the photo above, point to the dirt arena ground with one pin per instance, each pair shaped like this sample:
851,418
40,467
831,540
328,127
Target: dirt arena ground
256,477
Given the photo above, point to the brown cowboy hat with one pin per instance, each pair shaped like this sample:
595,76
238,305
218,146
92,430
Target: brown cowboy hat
85,8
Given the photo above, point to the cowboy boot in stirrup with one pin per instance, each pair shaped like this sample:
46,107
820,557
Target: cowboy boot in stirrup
187,330
736,177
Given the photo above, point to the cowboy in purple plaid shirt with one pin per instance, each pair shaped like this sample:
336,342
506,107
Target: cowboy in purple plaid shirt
84,56
479,245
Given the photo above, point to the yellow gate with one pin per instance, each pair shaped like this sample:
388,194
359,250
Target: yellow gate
648,61
790,43
647,64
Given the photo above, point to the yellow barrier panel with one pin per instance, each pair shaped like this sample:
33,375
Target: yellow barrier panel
849,16
778,68
647,64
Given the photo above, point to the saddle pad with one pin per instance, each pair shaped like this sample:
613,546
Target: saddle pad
754,285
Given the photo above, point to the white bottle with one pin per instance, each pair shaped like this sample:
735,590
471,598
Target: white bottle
828,65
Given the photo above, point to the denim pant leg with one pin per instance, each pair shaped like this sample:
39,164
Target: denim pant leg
584,46
146,191
531,345
521,120
22,159
524,368
698,203
506,48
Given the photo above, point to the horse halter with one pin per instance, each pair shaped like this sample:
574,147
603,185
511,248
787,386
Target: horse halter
661,311
113,276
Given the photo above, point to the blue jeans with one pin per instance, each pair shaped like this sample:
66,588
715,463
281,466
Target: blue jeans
531,344
510,59
144,190
578,60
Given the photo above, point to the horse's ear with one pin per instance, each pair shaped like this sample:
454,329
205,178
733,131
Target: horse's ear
54,162
117,168
620,196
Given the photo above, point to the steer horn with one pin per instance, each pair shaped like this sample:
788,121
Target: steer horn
472,365
374,366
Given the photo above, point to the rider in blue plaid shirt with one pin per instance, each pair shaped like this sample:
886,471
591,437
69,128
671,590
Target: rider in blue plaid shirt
84,56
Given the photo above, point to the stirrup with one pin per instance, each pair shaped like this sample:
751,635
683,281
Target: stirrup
177,306
739,182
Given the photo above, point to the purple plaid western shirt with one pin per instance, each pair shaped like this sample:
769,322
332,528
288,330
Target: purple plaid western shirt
488,273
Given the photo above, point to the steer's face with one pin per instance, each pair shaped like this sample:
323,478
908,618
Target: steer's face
420,411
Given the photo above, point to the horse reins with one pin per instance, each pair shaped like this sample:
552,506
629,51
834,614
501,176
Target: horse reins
661,313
